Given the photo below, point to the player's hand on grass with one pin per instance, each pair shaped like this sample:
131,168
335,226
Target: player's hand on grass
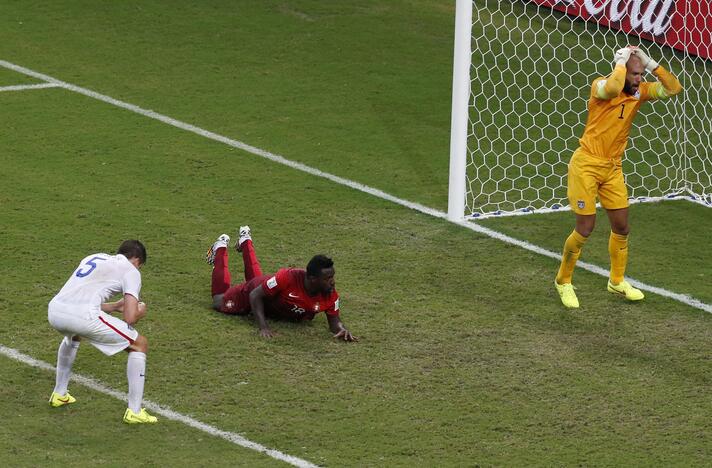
267,333
345,335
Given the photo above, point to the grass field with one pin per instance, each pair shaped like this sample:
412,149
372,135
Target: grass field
466,357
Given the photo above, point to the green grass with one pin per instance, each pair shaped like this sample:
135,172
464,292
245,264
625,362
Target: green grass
91,434
11,78
667,243
253,71
466,356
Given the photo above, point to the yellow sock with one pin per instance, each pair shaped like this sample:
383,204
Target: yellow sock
572,249
618,249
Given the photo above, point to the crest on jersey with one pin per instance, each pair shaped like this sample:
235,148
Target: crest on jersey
581,204
316,307
272,282
229,304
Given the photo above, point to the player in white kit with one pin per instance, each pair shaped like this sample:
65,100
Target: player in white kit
80,311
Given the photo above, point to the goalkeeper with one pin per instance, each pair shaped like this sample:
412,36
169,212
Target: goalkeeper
595,167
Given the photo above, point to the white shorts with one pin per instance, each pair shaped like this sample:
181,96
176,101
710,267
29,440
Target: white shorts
105,332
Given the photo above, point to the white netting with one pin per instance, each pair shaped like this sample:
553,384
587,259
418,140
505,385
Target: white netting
531,71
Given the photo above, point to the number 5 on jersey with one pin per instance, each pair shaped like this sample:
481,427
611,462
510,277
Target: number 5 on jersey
82,272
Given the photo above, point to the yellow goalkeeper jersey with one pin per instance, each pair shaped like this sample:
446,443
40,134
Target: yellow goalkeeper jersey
611,111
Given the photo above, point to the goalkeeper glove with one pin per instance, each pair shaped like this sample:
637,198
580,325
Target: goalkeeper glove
647,62
622,55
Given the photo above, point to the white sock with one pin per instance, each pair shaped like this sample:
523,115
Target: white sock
135,370
65,358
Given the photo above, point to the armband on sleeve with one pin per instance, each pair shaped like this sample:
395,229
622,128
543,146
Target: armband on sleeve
658,91
610,87
601,89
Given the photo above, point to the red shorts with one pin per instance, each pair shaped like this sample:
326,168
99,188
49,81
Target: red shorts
236,299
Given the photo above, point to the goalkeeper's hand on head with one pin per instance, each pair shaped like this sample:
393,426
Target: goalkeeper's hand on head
647,62
622,55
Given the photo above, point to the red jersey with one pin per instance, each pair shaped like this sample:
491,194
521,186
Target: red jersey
287,298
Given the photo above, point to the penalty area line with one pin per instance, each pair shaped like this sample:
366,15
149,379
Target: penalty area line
683,298
164,411
26,87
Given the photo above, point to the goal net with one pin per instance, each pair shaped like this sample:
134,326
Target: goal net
522,76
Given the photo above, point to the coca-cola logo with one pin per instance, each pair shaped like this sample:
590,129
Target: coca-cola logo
682,25
650,16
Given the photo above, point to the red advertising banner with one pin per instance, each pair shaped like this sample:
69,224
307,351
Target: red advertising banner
683,24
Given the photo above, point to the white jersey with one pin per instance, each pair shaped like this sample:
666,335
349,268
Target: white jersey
97,278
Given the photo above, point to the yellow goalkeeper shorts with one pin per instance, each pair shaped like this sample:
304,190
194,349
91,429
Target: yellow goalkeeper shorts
591,177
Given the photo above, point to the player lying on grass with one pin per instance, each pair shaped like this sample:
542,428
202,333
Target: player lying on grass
595,167
78,312
290,294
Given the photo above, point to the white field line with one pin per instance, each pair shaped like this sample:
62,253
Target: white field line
705,200
685,299
162,410
29,86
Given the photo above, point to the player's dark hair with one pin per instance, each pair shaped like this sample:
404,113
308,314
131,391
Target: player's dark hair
318,263
133,249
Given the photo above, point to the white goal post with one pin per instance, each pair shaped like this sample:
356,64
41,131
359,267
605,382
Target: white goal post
521,76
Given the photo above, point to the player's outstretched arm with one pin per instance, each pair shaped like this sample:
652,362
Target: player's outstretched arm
338,329
257,305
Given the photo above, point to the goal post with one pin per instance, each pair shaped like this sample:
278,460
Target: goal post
521,76
460,109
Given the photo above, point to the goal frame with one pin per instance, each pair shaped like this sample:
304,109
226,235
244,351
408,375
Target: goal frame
460,130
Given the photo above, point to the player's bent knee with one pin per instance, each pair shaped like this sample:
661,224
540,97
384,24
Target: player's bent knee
140,344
